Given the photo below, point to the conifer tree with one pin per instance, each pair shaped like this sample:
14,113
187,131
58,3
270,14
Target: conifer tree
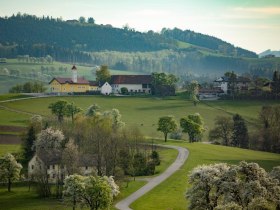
240,136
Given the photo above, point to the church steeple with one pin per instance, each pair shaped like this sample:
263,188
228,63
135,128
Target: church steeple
74,74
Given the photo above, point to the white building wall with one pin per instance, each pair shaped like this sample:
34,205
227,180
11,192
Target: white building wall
224,87
130,87
106,89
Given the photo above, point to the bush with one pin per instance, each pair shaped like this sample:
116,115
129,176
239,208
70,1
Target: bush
124,91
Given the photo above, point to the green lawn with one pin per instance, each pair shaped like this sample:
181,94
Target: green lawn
12,96
171,193
13,118
144,112
8,148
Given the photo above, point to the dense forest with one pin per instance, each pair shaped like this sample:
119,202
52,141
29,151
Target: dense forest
172,50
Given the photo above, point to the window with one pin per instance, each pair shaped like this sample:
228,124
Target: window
32,166
53,176
86,167
53,166
144,86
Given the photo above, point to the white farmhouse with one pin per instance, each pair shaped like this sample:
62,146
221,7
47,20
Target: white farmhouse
242,84
55,170
106,89
133,83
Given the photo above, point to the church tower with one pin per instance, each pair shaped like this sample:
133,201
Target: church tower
74,74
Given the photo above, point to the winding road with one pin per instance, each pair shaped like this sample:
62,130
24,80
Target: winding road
153,182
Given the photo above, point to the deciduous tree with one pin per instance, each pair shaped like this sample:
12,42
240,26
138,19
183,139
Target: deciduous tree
193,126
166,125
222,130
222,186
103,74
9,170
59,109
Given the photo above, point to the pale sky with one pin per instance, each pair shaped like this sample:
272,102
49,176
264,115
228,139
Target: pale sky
250,24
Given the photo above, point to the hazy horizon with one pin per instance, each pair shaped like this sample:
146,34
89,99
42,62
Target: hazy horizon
249,24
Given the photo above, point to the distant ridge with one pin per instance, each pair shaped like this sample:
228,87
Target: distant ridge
269,52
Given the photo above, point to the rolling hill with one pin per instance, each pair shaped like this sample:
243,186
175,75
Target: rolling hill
177,51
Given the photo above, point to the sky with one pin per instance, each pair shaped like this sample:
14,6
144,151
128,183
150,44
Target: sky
250,24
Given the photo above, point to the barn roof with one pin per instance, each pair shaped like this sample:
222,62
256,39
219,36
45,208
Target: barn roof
131,79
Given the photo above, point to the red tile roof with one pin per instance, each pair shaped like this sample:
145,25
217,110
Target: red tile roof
131,79
64,80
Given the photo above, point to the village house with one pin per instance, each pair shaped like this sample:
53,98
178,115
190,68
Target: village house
242,84
54,169
133,83
69,85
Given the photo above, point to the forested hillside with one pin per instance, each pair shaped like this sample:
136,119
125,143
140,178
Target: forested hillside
171,50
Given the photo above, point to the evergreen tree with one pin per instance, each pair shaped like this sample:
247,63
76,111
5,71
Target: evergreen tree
240,136
27,144
275,87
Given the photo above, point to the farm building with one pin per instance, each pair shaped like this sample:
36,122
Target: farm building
52,167
133,83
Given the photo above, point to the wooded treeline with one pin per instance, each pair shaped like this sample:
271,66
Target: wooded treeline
172,50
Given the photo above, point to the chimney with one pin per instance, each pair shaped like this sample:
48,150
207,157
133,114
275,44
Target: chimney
74,74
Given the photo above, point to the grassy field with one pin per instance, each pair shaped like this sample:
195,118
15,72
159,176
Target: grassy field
171,193
142,112
11,148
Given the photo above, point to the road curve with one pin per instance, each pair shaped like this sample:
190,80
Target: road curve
180,160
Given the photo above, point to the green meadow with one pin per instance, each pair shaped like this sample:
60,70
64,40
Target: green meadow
171,193
142,112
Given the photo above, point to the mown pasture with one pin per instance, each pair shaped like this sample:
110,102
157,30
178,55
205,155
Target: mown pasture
171,193
142,112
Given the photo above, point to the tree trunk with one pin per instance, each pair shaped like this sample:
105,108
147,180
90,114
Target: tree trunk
9,185
165,137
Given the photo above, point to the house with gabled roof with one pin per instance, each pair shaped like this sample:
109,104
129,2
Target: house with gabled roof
50,165
133,83
69,85
242,83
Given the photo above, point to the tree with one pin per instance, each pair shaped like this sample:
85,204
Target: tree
103,74
193,125
91,20
71,110
59,109
124,90
193,89
73,188
70,157
115,117
240,136
82,19
163,84
94,192
222,186
232,77
269,133
166,125
48,147
9,170
275,85
28,141
93,110
222,131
